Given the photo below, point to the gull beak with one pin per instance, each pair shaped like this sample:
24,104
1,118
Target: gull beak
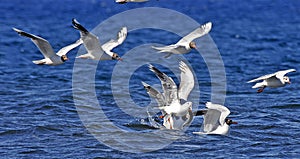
119,59
289,82
65,58
195,47
234,122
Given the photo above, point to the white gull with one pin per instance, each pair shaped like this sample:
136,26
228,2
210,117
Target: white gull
274,80
186,44
93,47
215,120
176,110
50,58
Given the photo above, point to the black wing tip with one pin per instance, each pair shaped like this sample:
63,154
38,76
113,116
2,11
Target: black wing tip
200,112
78,26
157,72
18,31
23,33
146,85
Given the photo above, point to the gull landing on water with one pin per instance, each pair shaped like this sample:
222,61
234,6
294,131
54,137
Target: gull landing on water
274,80
176,110
186,44
215,120
94,50
50,58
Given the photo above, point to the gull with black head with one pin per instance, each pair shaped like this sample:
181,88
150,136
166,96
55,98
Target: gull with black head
274,80
186,44
92,44
50,57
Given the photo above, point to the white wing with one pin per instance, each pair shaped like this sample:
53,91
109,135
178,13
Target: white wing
280,74
66,49
155,94
202,30
187,81
90,41
43,45
167,48
262,77
211,120
222,109
169,86
122,34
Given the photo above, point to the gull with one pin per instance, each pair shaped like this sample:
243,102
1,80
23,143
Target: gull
50,58
176,110
186,44
126,1
215,120
277,79
94,50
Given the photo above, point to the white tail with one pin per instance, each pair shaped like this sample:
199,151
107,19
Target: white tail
258,85
39,62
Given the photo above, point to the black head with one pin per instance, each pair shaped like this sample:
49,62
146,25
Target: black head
64,58
116,57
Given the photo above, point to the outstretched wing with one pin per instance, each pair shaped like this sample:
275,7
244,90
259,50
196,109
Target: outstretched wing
122,34
168,85
155,94
280,74
66,49
43,45
167,48
202,30
90,41
211,120
262,77
187,81
224,112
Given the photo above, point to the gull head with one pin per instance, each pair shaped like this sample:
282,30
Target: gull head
64,58
193,45
116,57
229,121
286,79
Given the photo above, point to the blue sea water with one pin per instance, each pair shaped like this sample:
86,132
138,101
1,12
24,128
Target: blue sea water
39,118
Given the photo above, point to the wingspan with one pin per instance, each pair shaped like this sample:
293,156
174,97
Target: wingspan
222,109
90,41
122,34
78,26
262,78
168,48
66,49
211,120
43,45
155,94
169,86
197,33
187,81
280,74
